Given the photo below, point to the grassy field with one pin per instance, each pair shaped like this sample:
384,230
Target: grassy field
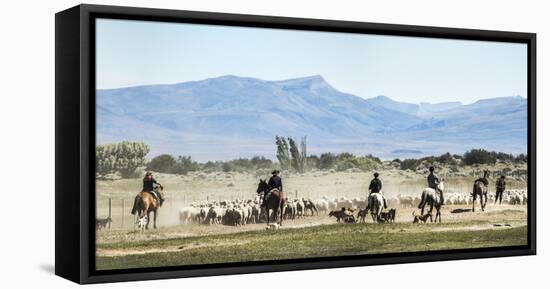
309,237
318,241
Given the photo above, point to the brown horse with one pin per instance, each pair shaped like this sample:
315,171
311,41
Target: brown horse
479,189
145,203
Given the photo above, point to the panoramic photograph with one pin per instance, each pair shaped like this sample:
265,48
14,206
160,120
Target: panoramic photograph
222,144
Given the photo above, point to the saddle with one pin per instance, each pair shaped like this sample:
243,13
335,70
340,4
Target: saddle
274,191
156,196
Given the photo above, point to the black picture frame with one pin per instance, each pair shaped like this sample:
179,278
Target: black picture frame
75,140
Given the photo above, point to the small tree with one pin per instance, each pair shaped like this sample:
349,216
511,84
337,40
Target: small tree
296,160
282,152
130,156
326,161
185,164
105,156
478,156
163,164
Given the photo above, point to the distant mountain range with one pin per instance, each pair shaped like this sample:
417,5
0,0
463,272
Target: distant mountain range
230,117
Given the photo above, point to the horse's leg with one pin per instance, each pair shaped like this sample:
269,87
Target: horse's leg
155,219
267,215
148,220
474,202
281,214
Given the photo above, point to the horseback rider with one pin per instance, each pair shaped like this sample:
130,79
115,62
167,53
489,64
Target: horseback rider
149,186
376,186
433,182
501,186
274,183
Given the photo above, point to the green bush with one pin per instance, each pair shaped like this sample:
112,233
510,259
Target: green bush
162,164
124,157
327,161
479,156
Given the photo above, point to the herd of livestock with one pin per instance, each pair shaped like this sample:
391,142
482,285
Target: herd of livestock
242,212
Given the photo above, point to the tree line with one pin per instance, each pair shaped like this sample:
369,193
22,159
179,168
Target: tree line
126,157
471,157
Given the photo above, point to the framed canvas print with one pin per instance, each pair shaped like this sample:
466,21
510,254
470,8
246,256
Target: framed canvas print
194,144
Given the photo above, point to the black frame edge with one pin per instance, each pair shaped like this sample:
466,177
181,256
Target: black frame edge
67,144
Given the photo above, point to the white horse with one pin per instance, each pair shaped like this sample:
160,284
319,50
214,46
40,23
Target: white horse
433,198
376,203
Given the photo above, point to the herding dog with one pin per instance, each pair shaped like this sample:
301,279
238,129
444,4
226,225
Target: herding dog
345,214
337,214
141,223
387,217
422,218
103,223
361,215
273,226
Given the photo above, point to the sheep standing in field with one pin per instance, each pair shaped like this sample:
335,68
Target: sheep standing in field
322,206
290,210
359,202
405,201
188,214
300,207
309,205
255,217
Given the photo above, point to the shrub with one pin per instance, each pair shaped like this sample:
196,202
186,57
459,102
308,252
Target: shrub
479,156
163,164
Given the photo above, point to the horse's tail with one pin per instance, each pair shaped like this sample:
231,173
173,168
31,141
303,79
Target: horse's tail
422,200
136,205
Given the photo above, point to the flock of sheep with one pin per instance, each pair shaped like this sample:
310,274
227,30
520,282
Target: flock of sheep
242,212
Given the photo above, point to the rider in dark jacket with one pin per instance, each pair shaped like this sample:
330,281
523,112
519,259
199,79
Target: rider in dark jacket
433,182
275,182
375,186
149,186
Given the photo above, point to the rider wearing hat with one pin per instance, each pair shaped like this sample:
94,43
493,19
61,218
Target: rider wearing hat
376,186
433,182
149,186
275,182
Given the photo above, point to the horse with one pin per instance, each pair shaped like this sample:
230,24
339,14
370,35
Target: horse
275,202
479,189
145,203
375,205
431,197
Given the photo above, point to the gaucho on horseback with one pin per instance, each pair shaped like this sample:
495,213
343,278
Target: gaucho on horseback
274,183
375,186
433,182
149,186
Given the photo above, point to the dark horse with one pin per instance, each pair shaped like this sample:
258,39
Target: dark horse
275,202
479,189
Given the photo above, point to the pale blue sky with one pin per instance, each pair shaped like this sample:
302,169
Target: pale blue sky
411,69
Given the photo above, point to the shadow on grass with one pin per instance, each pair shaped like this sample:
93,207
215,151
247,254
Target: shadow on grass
459,210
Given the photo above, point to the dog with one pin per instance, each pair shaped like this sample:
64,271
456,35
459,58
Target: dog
273,226
387,217
103,223
141,223
343,214
361,215
422,218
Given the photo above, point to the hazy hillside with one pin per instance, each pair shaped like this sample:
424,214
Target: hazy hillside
230,116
